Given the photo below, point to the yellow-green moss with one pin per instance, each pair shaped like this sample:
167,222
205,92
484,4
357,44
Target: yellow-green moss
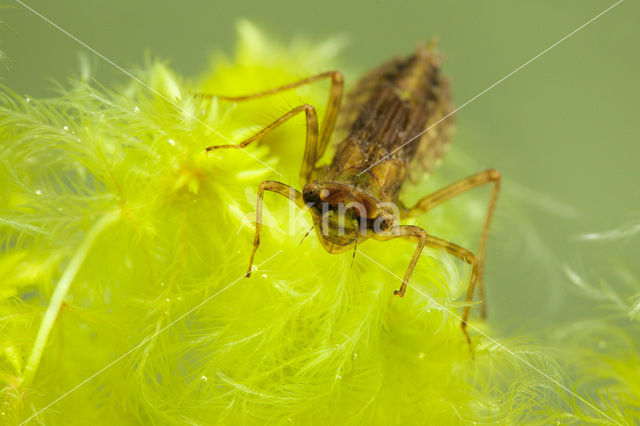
117,184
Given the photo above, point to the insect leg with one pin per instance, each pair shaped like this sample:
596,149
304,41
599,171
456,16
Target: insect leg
311,146
411,231
448,192
406,231
333,103
279,188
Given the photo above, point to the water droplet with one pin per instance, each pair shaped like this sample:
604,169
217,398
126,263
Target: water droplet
204,379
421,355
354,356
38,192
136,109
167,299
27,99
264,275
338,376
179,298
172,142
65,128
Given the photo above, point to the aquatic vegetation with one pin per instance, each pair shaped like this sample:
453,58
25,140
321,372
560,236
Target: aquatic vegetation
124,246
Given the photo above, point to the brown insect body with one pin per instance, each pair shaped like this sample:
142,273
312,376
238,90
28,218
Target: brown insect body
397,115
393,104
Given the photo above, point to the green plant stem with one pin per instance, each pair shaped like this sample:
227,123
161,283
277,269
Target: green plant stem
60,293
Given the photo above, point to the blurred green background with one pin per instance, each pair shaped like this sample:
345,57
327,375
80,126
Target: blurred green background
564,131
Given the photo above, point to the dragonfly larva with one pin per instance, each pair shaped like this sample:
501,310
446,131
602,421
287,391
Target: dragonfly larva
355,196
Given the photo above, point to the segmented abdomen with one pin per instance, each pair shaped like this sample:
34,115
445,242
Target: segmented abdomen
388,111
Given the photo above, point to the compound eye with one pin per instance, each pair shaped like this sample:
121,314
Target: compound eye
324,194
310,193
386,222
